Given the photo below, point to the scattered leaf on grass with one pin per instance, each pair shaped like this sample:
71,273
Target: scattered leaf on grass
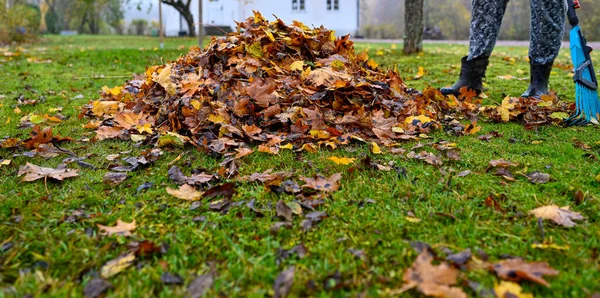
518,270
549,245
4,162
510,289
199,286
320,183
117,265
560,215
225,190
342,160
463,173
185,192
283,210
113,179
96,287
283,283
33,172
538,177
432,280
171,279
121,228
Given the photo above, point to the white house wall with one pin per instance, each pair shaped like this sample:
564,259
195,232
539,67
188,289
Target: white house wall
226,12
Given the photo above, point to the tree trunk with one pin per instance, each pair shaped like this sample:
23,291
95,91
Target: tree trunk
184,10
413,26
189,18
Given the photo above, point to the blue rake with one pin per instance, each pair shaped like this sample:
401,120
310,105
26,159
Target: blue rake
586,85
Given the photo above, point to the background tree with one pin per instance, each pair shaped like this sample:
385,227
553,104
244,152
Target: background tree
413,26
183,7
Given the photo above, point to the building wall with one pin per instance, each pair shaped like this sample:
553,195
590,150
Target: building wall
226,12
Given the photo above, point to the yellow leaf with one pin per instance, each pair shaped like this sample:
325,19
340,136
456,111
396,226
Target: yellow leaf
287,146
505,109
319,134
145,128
297,65
137,138
5,162
117,265
412,219
270,35
342,160
17,110
164,79
37,119
397,129
546,245
420,73
394,46
379,53
337,65
559,115
309,148
7,121
114,90
171,139
375,148
506,77
422,118
255,50
536,142
100,108
196,104
216,118
372,64
332,35
510,289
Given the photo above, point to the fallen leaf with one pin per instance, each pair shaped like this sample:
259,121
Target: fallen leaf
432,280
549,245
96,287
199,286
283,210
375,148
33,172
4,162
518,270
117,265
114,179
538,177
510,289
185,192
420,73
283,282
342,160
121,228
171,279
560,215
320,183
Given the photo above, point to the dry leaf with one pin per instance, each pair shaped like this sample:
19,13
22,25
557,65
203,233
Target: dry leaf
320,183
560,215
342,160
33,172
283,283
517,270
510,289
117,265
432,280
121,228
185,192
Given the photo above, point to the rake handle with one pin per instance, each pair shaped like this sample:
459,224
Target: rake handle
571,14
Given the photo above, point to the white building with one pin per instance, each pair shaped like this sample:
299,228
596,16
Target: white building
339,15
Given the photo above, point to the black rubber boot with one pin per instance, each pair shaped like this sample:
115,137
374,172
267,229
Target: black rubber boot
471,75
539,76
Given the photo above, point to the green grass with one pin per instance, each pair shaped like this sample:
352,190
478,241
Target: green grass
51,257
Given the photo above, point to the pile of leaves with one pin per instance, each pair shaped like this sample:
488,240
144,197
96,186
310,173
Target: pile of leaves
287,86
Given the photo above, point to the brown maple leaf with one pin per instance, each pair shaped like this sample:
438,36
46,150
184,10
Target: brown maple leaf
560,215
39,137
518,270
321,183
382,127
262,92
432,280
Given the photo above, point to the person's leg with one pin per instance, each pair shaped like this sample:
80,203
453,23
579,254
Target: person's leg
547,29
486,18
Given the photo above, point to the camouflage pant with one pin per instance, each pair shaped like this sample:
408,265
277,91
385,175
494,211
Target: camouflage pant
546,31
